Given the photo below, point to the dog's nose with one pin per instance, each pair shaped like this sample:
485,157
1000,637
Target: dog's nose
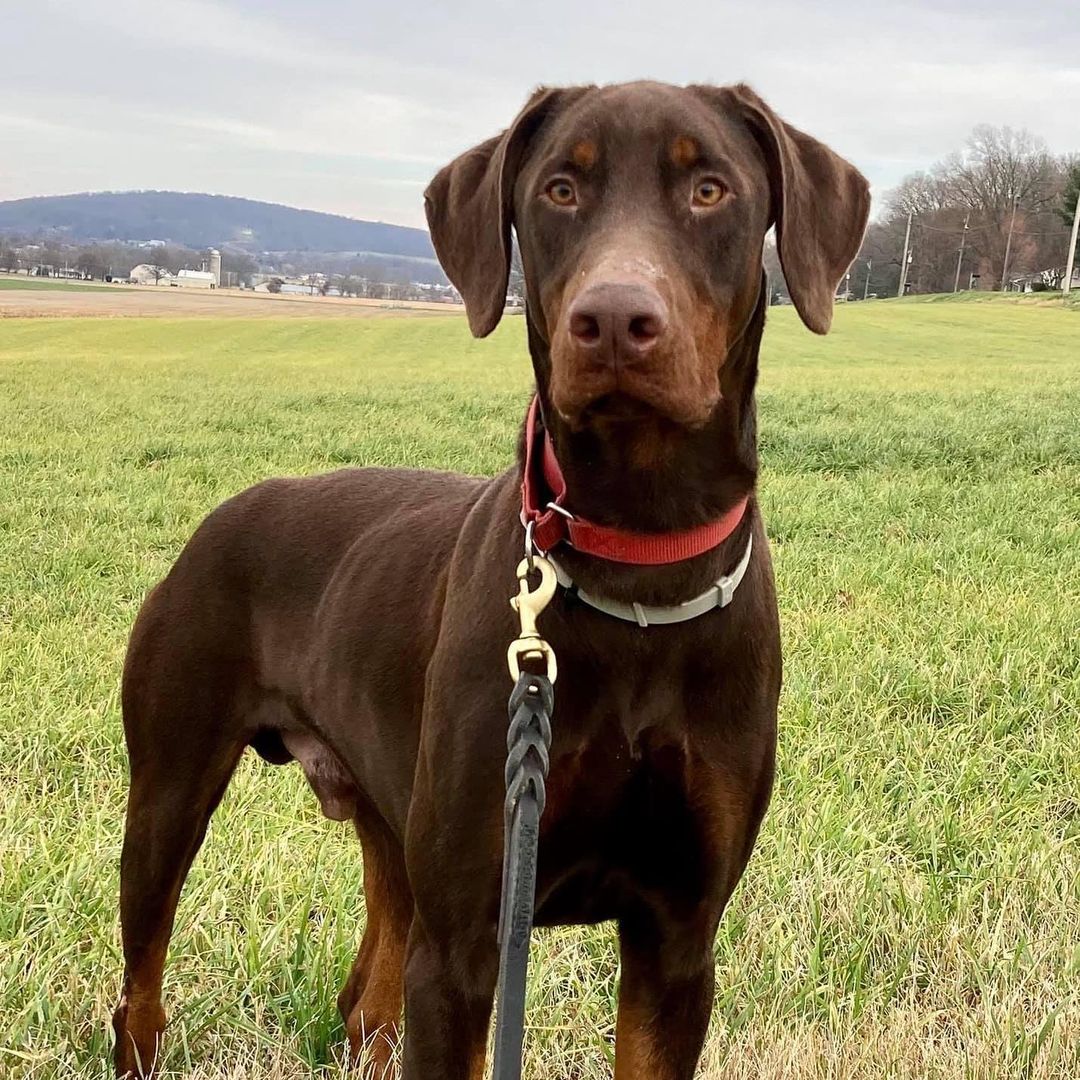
618,320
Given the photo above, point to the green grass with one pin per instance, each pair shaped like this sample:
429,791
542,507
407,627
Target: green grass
37,284
913,906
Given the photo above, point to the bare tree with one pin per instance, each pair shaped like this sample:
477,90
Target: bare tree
239,263
1001,169
770,262
883,247
93,262
997,166
1003,183
515,286
1070,191
1070,202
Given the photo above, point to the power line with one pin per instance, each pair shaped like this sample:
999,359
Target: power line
955,230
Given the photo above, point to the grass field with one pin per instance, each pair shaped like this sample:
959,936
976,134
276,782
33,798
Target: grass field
35,284
913,906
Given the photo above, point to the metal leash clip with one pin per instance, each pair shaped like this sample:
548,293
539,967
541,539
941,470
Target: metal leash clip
529,603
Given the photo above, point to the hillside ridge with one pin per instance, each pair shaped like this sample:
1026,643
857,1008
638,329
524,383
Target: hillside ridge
200,220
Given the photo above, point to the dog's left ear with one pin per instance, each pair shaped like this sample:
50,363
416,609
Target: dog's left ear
820,205
469,208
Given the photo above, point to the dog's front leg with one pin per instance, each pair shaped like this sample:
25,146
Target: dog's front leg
665,995
449,993
453,851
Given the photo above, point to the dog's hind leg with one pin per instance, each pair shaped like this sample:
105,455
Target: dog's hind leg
182,749
371,1000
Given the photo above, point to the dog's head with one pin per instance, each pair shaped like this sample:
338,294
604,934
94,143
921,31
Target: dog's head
640,211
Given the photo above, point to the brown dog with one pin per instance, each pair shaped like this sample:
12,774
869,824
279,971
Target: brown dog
358,621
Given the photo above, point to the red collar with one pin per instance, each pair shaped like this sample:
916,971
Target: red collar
550,526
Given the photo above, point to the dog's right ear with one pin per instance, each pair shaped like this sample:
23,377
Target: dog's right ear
469,208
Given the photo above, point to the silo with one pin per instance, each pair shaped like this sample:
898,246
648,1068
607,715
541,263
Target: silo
215,266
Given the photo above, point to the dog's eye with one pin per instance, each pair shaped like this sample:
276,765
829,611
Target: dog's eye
708,192
561,192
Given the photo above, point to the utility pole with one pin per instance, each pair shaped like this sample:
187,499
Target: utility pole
960,257
866,287
1008,243
1072,249
904,261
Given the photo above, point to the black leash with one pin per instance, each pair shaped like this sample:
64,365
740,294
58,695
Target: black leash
528,741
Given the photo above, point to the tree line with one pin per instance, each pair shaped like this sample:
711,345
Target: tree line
51,257
1002,180
355,285
367,274
359,266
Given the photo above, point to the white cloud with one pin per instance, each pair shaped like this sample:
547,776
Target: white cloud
351,107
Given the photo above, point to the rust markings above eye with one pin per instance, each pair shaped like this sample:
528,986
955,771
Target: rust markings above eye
584,154
685,151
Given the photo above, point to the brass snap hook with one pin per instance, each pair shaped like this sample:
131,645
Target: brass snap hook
529,603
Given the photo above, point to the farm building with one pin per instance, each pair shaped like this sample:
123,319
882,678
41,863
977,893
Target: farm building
209,277
197,279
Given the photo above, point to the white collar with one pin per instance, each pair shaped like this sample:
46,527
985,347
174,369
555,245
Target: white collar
718,595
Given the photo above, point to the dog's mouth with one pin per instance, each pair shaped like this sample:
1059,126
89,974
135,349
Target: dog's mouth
617,407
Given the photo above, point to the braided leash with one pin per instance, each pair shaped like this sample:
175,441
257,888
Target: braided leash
528,743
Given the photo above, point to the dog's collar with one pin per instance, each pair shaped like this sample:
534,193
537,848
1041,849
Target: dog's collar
718,595
550,523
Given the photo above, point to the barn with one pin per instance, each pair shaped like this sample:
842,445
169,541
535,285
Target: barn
195,279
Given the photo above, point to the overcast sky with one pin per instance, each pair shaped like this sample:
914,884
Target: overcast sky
350,106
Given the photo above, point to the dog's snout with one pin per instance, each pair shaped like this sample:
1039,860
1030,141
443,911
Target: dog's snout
618,320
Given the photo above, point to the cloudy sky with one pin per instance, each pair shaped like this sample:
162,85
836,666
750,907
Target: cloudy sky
350,106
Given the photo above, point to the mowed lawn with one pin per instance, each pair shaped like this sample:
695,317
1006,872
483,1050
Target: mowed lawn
913,905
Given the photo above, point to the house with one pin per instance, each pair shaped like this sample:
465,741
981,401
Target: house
1042,280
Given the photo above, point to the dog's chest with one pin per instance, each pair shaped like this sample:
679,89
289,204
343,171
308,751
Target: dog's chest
625,809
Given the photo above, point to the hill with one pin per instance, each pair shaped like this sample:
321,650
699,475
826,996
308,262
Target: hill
200,221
